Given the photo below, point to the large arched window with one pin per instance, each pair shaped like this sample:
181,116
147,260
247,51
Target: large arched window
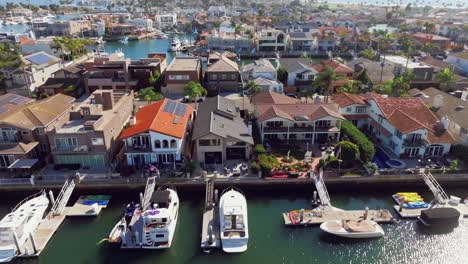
165,144
157,143
173,143
280,38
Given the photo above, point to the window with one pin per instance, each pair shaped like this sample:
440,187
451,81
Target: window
25,132
7,135
40,130
165,144
173,143
43,147
323,123
233,77
97,141
157,143
209,142
398,134
380,119
223,76
65,142
348,109
361,109
214,77
178,77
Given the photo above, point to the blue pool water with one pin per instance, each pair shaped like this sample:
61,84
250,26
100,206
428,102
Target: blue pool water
380,158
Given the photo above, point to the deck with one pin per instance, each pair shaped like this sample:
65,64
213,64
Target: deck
211,217
132,238
379,216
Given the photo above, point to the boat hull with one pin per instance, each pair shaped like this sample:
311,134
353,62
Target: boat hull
346,234
7,255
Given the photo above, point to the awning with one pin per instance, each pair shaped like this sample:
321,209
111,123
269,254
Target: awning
382,129
23,164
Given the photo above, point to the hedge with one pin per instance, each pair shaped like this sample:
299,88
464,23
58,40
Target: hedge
366,147
267,163
260,149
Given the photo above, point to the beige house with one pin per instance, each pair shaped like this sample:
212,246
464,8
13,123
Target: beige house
24,126
181,71
88,136
219,133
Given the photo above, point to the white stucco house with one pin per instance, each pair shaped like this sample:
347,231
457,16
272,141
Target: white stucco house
157,133
460,60
404,126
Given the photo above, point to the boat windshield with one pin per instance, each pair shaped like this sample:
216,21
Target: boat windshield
6,236
234,222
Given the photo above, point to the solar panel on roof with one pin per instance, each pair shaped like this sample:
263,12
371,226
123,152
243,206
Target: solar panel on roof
181,109
39,59
170,106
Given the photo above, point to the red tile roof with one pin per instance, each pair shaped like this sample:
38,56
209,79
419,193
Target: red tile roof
274,98
153,118
347,99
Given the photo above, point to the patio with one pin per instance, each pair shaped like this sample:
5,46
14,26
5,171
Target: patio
231,168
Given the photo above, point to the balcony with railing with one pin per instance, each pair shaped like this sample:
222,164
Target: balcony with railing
414,142
300,128
70,149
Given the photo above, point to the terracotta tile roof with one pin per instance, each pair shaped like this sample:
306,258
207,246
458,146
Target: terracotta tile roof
337,66
347,99
292,111
429,36
153,117
410,114
270,97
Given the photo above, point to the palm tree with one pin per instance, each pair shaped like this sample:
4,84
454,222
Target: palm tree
325,80
253,89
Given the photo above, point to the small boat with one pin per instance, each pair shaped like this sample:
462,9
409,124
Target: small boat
115,235
415,205
233,221
440,217
124,40
161,35
175,45
353,229
407,197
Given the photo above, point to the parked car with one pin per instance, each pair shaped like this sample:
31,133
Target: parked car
186,99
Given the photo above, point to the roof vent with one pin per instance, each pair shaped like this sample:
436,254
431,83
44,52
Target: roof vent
176,120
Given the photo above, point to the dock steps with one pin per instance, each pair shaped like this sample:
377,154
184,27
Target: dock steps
62,198
440,196
322,189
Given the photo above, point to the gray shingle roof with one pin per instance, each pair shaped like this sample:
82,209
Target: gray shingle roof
219,116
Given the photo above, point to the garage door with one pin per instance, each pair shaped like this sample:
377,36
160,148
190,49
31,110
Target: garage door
213,157
235,153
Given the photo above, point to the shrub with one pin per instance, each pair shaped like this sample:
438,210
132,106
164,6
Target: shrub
348,151
190,166
267,163
254,167
366,147
260,149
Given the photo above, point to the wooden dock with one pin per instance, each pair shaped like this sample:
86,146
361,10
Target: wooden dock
210,219
314,218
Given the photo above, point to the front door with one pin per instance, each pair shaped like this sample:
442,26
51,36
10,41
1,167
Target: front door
213,157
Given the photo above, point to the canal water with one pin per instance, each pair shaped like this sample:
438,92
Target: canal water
77,240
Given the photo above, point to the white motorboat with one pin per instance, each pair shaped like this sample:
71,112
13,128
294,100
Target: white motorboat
115,235
175,44
160,219
233,221
353,229
20,223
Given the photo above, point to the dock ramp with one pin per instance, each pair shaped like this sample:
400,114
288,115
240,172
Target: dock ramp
62,199
322,189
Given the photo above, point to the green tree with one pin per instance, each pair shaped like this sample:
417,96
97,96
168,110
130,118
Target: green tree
368,54
428,47
154,79
282,73
10,58
347,151
253,89
446,77
194,90
352,87
149,94
355,135
325,80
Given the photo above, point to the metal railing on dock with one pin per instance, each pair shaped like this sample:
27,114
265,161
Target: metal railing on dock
63,197
440,196
322,189
149,189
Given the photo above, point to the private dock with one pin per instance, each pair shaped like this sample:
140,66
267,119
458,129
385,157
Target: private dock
330,214
88,205
326,212
441,199
39,239
210,236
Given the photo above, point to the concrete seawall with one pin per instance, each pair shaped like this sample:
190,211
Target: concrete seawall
376,182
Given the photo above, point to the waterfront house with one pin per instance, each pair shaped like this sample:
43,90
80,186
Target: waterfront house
25,125
118,29
324,42
220,133
296,26
272,40
229,41
181,71
301,71
117,72
404,126
259,68
301,41
460,60
74,28
216,11
166,21
158,133
216,56
223,76
87,135
38,67
444,105
282,119
70,86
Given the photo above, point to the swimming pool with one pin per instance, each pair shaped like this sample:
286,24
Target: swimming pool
380,158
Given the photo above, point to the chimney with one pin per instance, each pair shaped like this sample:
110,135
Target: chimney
445,122
107,100
133,120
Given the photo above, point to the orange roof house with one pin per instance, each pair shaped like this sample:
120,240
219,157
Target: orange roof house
166,117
